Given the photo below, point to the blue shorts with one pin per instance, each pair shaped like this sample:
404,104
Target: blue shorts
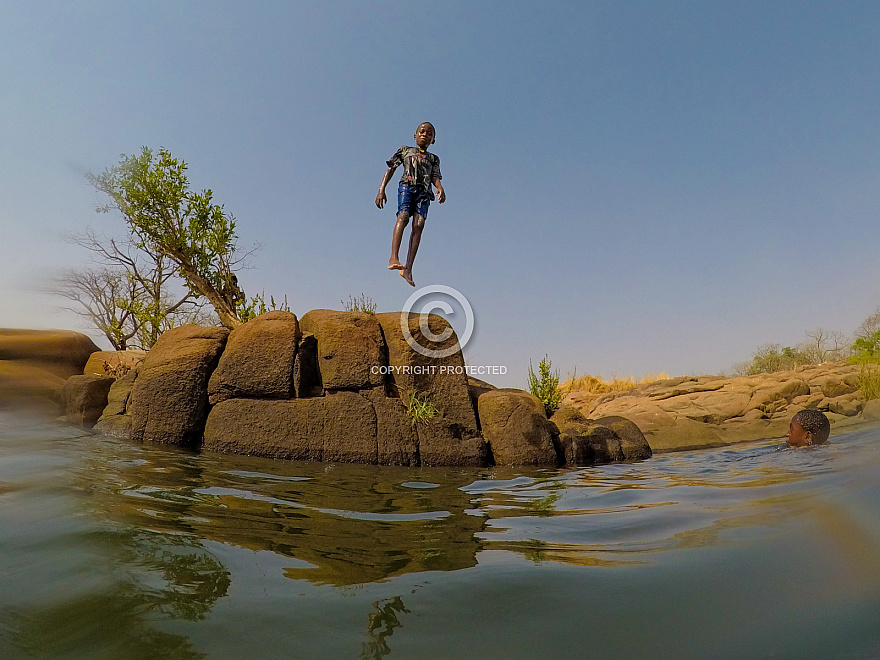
413,200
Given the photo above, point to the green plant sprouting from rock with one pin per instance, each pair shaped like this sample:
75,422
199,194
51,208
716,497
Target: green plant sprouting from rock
258,305
545,385
419,407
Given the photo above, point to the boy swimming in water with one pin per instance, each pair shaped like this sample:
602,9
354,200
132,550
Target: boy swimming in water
808,427
421,170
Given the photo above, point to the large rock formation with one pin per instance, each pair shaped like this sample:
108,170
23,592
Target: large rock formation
257,362
345,403
169,400
334,386
516,428
701,411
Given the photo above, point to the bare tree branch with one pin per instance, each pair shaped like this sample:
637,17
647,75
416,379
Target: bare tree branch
100,295
129,287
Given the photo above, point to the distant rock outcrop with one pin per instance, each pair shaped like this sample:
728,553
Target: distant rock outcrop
60,352
35,363
702,411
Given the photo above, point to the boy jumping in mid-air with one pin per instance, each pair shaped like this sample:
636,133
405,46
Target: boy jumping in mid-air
420,170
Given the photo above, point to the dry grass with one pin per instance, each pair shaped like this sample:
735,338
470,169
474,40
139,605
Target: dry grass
869,381
597,385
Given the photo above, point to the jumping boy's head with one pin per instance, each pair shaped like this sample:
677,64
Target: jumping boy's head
808,427
425,134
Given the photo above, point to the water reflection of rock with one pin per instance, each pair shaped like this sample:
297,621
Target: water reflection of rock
353,525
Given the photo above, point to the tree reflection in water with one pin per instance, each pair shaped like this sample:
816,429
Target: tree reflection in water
380,626
155,576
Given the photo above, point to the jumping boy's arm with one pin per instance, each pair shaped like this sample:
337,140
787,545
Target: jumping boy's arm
441,194
380,197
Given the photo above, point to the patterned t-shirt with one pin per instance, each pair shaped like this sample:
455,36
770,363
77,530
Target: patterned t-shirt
420,168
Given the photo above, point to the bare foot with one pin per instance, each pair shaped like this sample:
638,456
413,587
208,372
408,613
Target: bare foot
394,264
407,276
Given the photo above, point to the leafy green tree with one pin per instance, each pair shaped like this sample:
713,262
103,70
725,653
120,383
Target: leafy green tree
769,358
545,385
867,349
152,193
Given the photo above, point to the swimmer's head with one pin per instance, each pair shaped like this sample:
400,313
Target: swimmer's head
425,134
808,427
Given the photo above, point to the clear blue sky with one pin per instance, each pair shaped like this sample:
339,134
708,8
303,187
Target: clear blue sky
632,186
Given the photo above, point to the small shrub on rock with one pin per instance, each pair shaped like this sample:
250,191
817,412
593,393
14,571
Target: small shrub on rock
115,371
360,304
545,385
257,305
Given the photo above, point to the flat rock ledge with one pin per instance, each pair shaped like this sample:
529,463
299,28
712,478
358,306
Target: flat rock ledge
708,411
332,387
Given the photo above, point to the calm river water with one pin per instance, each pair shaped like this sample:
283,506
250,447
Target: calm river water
121,551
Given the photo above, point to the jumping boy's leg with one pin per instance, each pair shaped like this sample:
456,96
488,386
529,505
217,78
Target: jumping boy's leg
414,238
399,226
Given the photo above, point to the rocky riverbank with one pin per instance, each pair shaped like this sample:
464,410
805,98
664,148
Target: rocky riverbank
706,411
333,386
